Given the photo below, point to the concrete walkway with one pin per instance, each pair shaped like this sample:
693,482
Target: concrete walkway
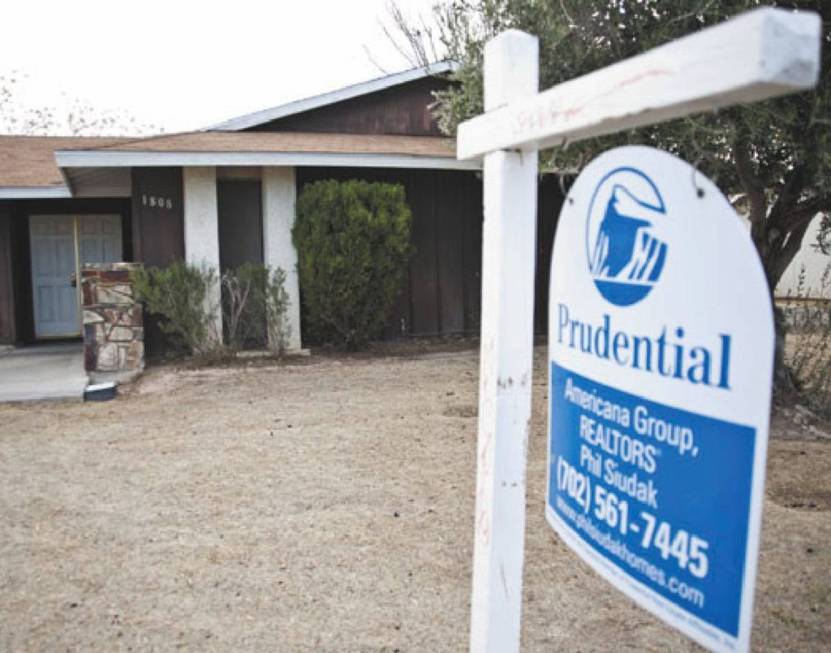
52,371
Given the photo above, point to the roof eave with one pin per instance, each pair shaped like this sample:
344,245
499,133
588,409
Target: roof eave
34,192
114,158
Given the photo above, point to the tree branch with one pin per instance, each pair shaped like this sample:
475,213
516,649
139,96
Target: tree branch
785,254
755,191
789,194
804,212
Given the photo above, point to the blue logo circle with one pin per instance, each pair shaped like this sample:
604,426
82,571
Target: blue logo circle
625,256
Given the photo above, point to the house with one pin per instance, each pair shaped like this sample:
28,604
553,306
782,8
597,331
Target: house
226,195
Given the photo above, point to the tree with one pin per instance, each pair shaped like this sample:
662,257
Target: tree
353,245
75,118
773,157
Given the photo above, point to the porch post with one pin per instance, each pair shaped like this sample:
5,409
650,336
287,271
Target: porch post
202,231
279,206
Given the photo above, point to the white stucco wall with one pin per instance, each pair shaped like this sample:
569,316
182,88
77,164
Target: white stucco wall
202,229
815,263
279,208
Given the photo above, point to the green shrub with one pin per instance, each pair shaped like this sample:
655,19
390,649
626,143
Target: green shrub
276,309
179,294
254,307
353,245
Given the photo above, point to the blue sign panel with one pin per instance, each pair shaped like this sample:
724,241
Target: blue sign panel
643,484
660,360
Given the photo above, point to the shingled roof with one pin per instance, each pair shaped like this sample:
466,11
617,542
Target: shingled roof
278,142
36,166
28,162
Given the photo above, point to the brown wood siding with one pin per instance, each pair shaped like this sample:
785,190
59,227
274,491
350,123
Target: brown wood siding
549,203
424,273
449,233
398,110
240,217
442,293
472,252
22,270
158,229
158,233
7,318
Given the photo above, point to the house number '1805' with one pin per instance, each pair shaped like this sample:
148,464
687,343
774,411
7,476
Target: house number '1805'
157,201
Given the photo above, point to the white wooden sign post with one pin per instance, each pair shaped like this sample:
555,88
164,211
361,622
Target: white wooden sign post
508,241
761,54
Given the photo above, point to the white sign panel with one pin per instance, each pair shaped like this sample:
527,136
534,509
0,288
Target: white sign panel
661,358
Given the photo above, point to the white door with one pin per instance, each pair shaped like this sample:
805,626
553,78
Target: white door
99,239
53,264
60,244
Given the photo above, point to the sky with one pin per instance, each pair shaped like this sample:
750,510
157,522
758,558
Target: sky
186,64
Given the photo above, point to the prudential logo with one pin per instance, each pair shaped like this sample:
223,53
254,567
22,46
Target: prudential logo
625,256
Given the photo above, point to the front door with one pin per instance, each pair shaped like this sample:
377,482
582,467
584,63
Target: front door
60,245
99,239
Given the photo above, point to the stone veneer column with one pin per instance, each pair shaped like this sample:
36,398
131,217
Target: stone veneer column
202,229
113,321
279,206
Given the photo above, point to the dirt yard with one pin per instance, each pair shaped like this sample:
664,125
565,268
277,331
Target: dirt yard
327,505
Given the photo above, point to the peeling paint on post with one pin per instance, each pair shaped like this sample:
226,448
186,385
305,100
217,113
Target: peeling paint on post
509,236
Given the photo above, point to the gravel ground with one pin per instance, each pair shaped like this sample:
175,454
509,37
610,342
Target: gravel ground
326,505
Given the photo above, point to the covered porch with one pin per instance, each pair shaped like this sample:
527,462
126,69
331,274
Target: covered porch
220,200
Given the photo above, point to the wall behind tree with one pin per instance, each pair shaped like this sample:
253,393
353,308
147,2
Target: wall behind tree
810,264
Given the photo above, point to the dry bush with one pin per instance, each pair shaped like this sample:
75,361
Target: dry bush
254,305
808,349
254,308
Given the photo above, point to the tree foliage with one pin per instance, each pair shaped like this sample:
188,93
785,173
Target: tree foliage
353,244
773,157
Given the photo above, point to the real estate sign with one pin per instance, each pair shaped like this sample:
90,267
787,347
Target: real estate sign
661,355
